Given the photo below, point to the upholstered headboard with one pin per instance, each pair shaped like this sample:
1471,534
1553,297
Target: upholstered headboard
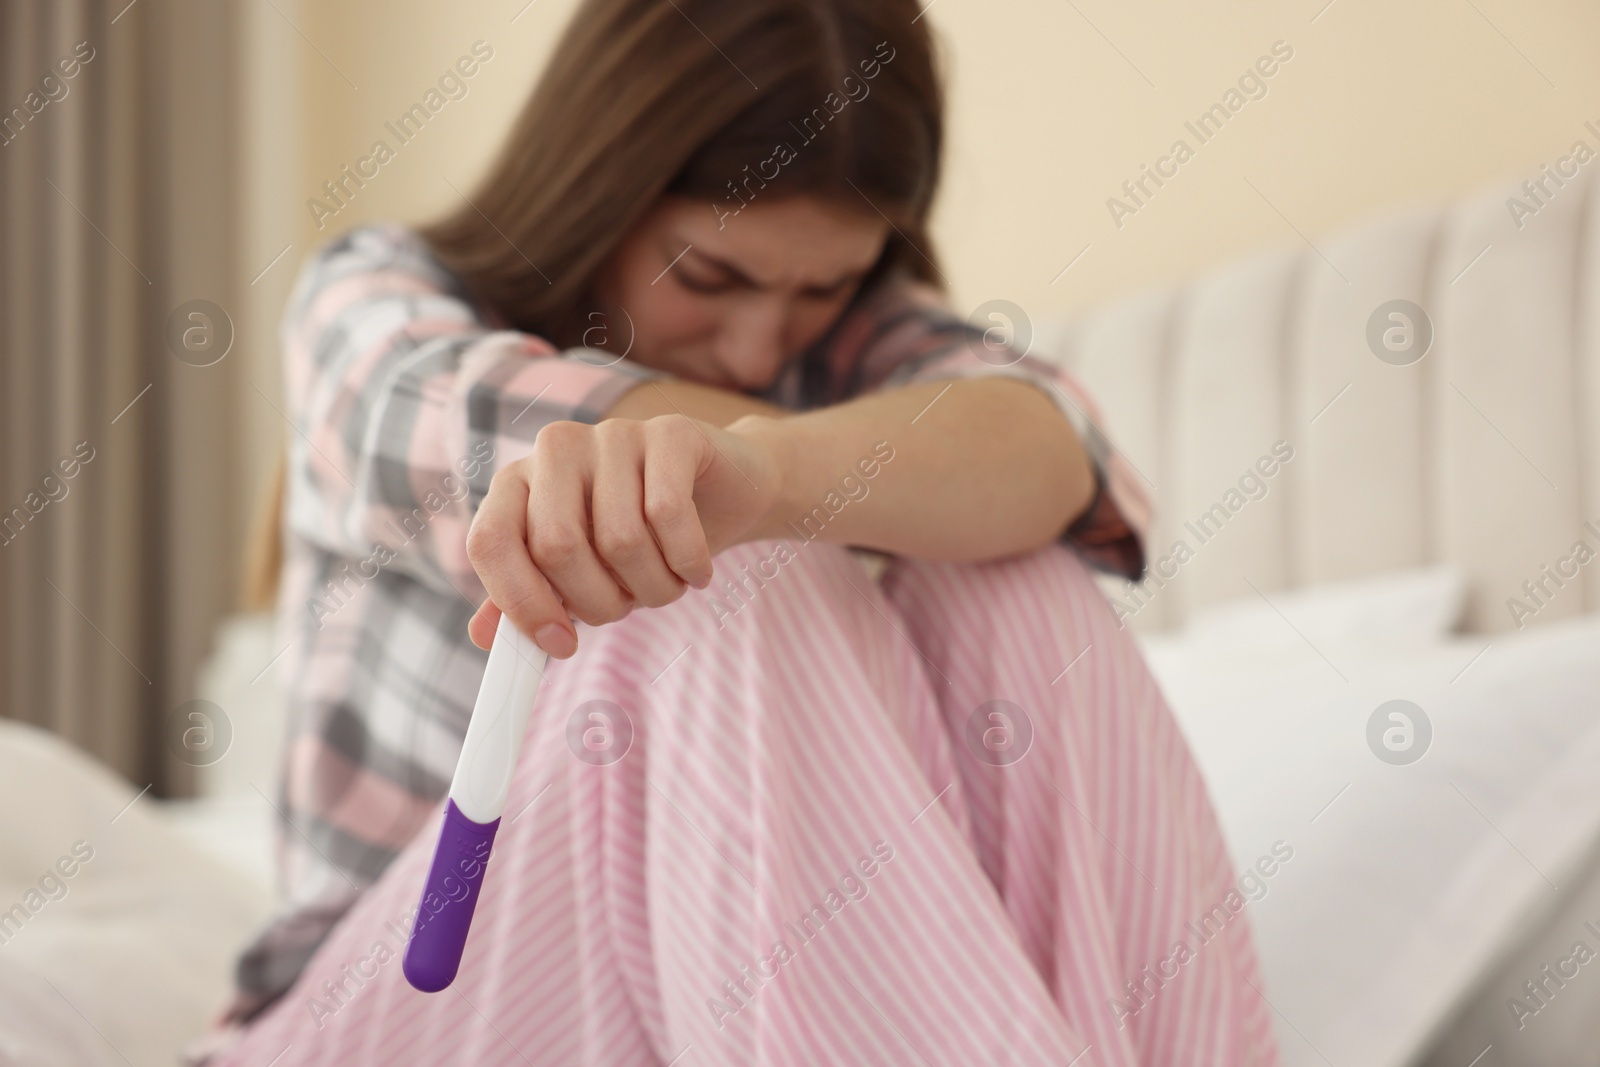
1483,453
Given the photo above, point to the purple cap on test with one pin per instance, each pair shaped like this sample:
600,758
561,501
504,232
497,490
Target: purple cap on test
433,954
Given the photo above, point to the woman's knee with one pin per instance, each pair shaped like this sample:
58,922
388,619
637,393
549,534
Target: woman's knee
792,626
757,582
774,609
1050,588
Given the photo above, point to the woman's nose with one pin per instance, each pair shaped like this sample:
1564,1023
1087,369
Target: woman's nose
752,344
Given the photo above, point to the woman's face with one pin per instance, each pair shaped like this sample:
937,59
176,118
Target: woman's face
727,302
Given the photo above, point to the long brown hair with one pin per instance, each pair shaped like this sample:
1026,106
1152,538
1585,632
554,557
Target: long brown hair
705,99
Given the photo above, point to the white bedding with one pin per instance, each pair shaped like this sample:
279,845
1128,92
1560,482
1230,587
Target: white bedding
127,958
1408,883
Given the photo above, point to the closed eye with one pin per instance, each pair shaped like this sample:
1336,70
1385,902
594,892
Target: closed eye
712,277
830,292
709,285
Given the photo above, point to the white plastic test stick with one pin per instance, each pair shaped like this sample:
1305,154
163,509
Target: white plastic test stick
476,800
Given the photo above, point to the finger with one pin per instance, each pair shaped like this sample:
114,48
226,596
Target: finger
558,525
621,535
497,545
673,453
482,625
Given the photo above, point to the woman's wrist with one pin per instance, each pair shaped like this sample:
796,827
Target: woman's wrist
780,438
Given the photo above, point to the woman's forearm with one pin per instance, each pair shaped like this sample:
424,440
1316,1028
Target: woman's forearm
674,397
979,468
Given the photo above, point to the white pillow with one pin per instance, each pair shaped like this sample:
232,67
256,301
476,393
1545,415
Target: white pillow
1407,882
40,1029
1421,604
141,938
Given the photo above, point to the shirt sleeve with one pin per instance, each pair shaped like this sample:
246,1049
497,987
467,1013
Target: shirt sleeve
404,401
906,333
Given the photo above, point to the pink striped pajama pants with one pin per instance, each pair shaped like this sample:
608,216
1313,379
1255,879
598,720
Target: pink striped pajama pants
944,819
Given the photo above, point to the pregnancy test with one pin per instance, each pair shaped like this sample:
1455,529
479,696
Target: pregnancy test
477,799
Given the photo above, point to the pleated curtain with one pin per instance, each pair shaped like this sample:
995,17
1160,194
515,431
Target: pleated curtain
117,205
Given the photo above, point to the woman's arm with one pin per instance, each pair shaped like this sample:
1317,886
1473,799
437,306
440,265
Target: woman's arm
720,407
981,468
404,402
598,519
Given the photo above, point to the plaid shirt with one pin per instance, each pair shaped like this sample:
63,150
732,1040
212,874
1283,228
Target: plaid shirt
405,398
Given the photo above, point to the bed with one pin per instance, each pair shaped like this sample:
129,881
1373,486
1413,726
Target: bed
1403,923
1377,465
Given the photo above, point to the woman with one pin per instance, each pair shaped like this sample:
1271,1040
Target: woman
684,344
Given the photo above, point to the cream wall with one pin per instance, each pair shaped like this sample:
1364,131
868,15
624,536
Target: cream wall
1053,106
1381,105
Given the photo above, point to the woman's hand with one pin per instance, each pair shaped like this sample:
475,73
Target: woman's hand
600,518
